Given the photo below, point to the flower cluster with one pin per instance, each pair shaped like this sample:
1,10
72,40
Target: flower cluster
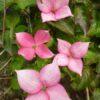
45,85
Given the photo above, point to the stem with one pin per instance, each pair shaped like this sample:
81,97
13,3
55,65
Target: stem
28,20
4,17
30,25
87,93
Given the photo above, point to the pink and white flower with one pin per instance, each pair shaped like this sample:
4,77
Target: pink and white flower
30,46
70,55
44,85
53,10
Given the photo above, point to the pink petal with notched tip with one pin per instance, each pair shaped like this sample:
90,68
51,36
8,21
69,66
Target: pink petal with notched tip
79,49
61,60
38,96
44,5
27,53
50,74
75,65
42,36
64,47
48,17
29,81
57,92
25,39
43,52
63,13
57,4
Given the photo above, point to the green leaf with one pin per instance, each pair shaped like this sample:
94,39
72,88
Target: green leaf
6,3
63,26
86,78
14,84
95,29
20,28
98,67
25,3
95,25
7,43
12,20
79,19
82,38
39,63
1,4
96,94
96,82
89,58
83,1
17,63
84,81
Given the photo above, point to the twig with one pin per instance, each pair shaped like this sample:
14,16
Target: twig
5,64
5,78
7,91
87,94
2,52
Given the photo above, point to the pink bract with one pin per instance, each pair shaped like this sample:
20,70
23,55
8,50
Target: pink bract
30,46
72,55
44,85
53,10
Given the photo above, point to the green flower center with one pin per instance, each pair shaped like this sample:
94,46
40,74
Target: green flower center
44,88
34,47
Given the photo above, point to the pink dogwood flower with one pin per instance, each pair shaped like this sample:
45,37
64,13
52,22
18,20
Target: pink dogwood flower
53,10
30,46
70,55
44,85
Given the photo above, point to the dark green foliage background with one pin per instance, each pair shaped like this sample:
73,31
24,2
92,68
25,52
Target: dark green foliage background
23,15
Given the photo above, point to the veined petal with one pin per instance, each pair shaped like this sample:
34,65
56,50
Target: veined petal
25,39
63,13
61,60
57,4
38,96
64,47
44,5
57,92
29,81
50,75
48,17
43,52
75,65
42,36
79,49
27,53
